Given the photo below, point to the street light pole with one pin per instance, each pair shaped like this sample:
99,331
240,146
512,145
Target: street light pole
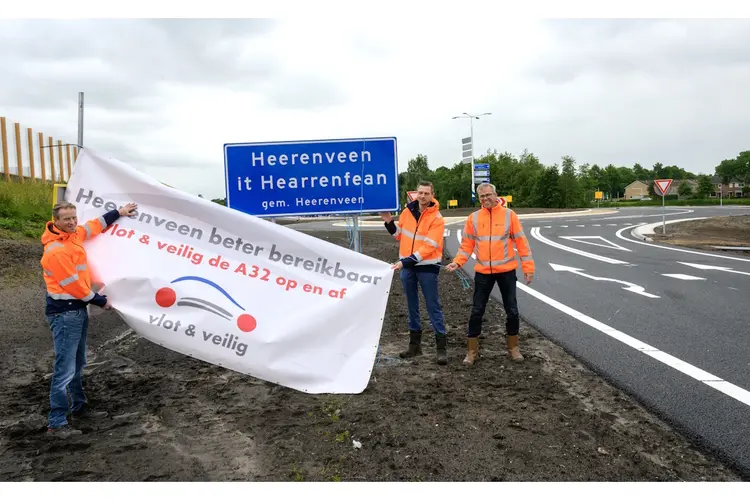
471,123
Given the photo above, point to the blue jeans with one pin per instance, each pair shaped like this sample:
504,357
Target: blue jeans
429,283
69,332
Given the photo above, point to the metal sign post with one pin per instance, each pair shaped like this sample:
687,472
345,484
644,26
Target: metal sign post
663,185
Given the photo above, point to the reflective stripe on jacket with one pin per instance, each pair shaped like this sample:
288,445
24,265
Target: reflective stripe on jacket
65,265
494,236
420,240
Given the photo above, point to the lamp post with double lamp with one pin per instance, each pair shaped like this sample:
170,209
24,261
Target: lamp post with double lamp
471,123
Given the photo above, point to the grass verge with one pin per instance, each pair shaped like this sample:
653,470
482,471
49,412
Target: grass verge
24,208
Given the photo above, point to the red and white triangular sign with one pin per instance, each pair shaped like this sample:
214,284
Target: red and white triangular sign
663,185
411,195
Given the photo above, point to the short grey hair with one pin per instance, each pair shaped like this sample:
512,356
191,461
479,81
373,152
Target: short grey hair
484,185
61,205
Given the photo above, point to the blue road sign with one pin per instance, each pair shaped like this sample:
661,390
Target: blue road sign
481,166
273,179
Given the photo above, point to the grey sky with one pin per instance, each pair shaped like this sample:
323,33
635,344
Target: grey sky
165,96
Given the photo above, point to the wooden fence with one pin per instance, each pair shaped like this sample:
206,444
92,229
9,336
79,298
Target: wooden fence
27,158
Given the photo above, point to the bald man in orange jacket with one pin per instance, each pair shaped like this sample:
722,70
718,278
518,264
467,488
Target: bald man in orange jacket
495,235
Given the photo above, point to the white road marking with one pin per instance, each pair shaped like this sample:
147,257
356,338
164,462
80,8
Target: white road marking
731,390
563,226
580,225
673,212
536,233
597,225
619,235
685,277
713,268
611,224
548,227
582,239
630,287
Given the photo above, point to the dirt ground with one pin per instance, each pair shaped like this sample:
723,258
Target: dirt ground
178,419
706,234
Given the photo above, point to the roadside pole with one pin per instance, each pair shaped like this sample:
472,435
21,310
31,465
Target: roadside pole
80,120
663,186
355,233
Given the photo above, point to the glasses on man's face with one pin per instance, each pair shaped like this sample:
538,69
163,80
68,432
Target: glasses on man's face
487,195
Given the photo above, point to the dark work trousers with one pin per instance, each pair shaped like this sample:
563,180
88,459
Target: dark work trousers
483,284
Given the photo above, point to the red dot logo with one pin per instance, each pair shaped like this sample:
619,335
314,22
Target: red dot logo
166,297
246,323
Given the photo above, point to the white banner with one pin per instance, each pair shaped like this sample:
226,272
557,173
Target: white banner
229,288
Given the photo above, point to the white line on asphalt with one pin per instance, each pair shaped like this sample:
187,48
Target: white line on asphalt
685,277
582,239
710,380
619,235
713,268
548,227
731,390
563,226
536,233
642,216
630,287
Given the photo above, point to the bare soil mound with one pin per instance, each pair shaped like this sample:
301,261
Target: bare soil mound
707,234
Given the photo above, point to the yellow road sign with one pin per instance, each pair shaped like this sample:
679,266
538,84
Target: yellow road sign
599,195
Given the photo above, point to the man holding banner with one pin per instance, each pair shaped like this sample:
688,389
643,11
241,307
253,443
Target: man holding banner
420,235
492,232
68,281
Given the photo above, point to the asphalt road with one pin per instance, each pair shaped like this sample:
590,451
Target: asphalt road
675,336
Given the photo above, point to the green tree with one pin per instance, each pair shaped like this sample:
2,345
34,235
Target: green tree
737,168
685,189
705,186
571,195
546,192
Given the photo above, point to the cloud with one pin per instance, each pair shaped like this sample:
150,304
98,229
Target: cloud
123,64
166,95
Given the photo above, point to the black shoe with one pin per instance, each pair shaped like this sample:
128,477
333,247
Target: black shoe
441,342
88,414
62,432
415,345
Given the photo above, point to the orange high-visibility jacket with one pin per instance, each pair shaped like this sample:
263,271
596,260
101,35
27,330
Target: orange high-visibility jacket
420,241
65,265
492,235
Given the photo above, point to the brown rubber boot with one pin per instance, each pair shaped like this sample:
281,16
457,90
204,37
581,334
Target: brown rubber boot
473,352
415,345
513,350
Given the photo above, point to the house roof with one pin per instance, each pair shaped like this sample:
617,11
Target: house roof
637,182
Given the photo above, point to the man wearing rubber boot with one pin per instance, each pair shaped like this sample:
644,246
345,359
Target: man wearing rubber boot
419,232
491,233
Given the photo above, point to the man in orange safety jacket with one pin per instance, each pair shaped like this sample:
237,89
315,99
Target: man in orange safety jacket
491,233
420,236
68,281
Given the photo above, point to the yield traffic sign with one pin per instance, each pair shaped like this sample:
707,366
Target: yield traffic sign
663,185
